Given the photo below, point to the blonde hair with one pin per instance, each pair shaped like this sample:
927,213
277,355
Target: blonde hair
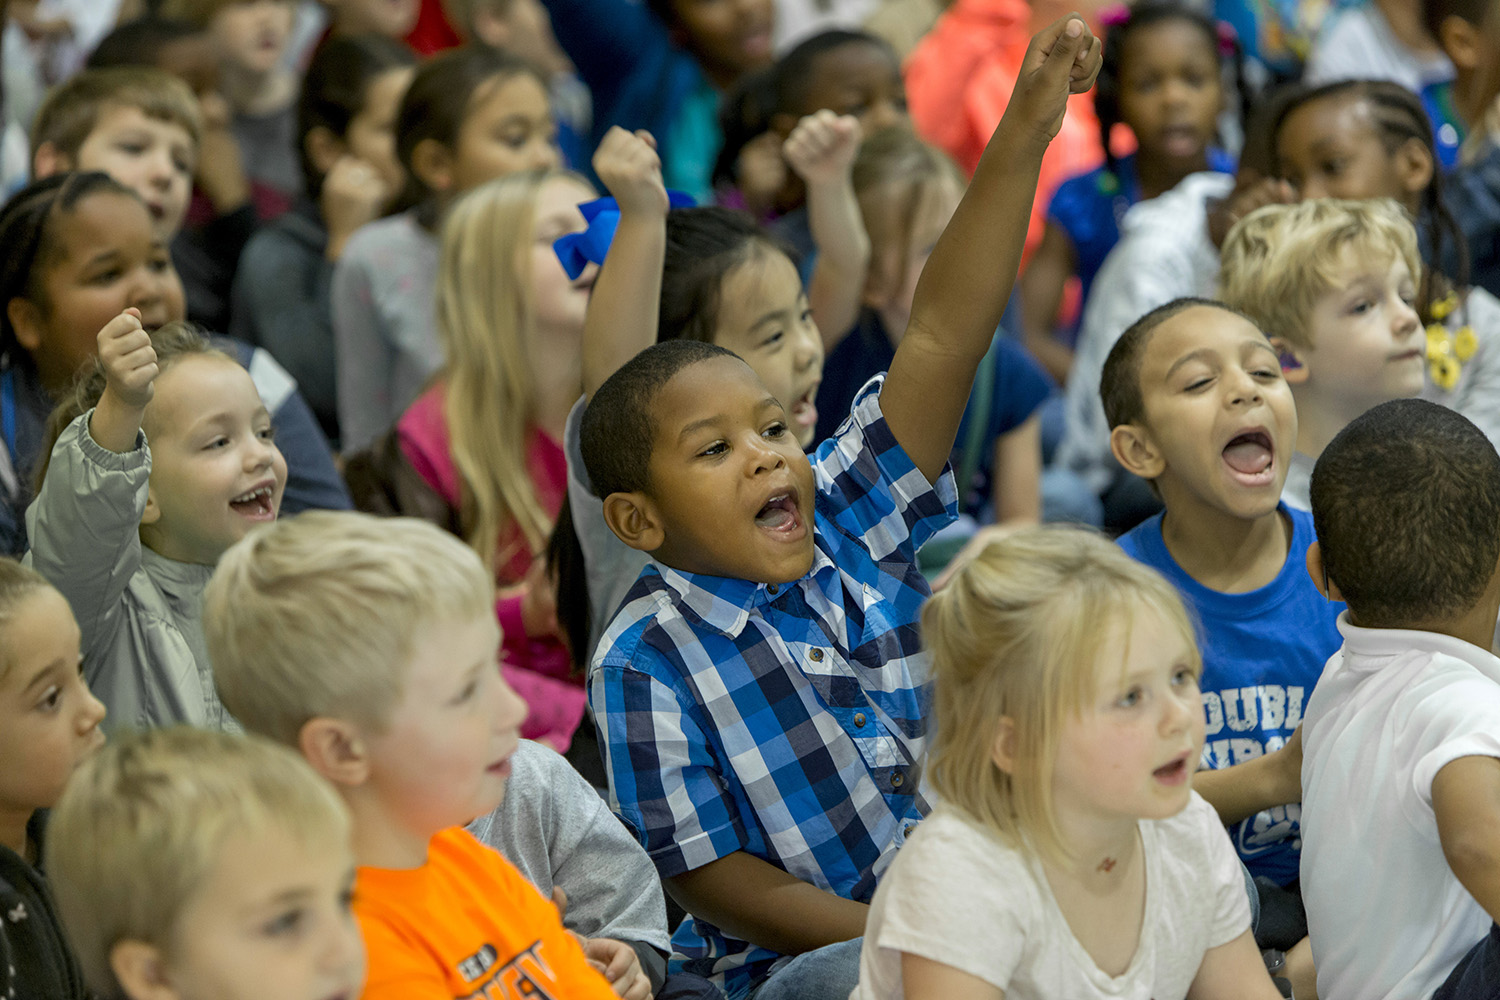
143,823
1017,634
1279,260
17,583
896,161
317,615
72,109
486,313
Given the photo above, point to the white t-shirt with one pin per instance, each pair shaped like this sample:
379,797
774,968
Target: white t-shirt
1385,914
959,895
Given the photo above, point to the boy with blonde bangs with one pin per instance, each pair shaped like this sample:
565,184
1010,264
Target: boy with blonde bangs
194,865
140,125
1197,405
1334,284
370,646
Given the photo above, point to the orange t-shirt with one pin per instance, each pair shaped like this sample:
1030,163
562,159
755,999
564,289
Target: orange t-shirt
467,924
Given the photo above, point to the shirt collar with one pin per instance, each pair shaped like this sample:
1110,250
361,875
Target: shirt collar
724,603
1383,643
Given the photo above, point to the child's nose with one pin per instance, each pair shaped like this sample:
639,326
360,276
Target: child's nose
1407,321
512,708
345,948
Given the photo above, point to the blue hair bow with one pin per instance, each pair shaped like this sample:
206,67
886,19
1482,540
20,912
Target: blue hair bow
577,250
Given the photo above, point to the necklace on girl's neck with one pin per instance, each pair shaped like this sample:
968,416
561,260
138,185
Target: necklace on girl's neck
1106,866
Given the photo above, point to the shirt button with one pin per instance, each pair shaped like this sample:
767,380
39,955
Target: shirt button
859,719
816,655
897,780
906,831
772,588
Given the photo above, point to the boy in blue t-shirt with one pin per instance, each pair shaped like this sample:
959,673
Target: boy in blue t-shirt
760,693
1197,405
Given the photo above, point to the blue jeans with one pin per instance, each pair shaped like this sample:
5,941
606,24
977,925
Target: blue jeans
829,973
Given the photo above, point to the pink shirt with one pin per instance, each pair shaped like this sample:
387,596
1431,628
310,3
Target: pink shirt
538,667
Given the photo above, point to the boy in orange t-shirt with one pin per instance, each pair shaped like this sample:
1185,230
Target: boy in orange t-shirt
371,646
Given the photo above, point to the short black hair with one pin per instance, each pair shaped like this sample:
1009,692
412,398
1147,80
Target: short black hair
619,431
140,42
1406,504
703,245
794,71
1120,381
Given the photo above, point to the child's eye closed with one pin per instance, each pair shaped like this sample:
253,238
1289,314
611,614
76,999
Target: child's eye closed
285,924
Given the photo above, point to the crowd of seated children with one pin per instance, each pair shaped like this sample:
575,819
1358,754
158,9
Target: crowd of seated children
1399,745
1069,850
82,250
205,866
350,175
675,465
469,115
1163,78
1198,407
369,646
486,437
762,720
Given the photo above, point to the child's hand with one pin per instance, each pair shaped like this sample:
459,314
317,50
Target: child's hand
353,194
822,147
128,359
1252,190
628,165
1063,59
621,966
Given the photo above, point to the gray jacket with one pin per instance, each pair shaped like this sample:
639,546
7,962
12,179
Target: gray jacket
140,613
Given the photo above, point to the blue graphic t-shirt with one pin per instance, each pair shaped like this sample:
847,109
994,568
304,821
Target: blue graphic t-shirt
1263,652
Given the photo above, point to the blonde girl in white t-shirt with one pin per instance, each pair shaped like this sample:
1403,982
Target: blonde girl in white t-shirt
1069,856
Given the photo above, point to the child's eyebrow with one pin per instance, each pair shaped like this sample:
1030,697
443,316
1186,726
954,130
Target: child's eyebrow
1201,354
776,315
43,674
769,402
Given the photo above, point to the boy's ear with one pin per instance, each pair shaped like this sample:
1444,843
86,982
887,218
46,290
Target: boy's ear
1293,361
335,750
1462,41
1319,573
1003,747
26,319
49,160
432,163
633,518
490,28
1133,448
152,513
141,971
323,148
1414,165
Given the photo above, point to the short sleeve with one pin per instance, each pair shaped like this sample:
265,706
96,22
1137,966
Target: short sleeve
1225,874
868,485
664,779
1464,719
956,896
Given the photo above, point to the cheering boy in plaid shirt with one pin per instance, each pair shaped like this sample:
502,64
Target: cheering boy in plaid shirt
760,692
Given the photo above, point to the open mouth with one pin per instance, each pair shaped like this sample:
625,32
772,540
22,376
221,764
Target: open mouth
804,411
779,514
1252,457
258,504
1174,773
1181,140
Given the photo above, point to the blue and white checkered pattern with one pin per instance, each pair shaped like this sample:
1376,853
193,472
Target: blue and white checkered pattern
784,721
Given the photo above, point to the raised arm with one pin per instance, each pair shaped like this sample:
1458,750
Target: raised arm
623,308
822,149
964,287
130,370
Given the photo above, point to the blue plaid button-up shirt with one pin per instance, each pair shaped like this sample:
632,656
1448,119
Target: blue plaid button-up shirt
784,721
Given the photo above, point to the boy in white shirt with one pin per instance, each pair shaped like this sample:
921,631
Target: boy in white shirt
1401,739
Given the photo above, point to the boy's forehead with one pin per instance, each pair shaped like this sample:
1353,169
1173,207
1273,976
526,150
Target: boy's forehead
702,391
1195,329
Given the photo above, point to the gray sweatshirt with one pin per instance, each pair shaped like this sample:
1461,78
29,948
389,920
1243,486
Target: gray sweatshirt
558,831
140,613
384,325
